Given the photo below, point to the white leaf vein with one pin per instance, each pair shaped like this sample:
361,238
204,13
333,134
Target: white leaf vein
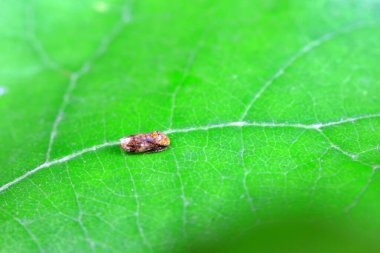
298,55
315,126
85,68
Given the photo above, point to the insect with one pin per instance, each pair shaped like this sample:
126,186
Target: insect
148,142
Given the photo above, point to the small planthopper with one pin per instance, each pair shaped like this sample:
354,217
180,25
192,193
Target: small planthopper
147,142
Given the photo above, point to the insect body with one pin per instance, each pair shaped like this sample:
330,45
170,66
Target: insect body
148,142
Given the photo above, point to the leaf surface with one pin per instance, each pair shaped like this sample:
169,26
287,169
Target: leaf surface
272,108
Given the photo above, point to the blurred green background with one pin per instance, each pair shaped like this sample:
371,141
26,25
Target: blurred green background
272,107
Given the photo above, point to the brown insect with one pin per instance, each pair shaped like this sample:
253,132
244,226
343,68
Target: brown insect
148,142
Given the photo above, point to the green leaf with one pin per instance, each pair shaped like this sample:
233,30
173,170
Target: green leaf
272,107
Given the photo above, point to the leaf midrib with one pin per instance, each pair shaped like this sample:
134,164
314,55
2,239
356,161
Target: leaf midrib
316,126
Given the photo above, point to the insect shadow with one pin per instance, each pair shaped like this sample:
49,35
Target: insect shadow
117,150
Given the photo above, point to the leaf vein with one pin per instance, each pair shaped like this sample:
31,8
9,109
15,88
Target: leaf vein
315,126
85,68
298,55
